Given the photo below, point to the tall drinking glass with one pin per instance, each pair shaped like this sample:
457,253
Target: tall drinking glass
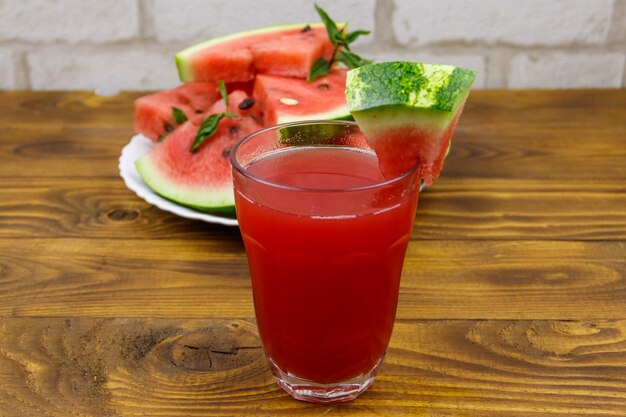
325,236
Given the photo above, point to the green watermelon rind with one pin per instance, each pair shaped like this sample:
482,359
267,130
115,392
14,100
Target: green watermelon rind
207,199
380,119
391,94
426,98
427,87
183,57
340,113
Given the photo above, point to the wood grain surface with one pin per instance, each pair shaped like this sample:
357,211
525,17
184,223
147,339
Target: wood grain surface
448,279
455,208
512,302
170,367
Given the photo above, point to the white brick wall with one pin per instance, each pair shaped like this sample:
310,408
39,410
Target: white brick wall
7,76
69,20
567,70
56,68
128,44
196,20
519,22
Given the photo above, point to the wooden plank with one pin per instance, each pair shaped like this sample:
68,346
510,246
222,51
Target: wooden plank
66,108
453,209
473,208
167,367
565,152
486,108
57,151
546,109
195,278
502,134
98,207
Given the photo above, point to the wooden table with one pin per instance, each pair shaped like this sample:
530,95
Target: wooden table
513,298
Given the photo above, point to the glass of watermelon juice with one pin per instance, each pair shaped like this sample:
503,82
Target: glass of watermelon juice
325,236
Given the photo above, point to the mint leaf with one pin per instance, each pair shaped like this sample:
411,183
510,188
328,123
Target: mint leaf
352,36
319,68
223,92
163,136
179,115
208,128
331,26
338,39
351,60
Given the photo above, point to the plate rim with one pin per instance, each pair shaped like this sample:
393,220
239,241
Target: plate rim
126,167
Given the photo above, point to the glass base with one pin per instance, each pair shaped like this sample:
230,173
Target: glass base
337,392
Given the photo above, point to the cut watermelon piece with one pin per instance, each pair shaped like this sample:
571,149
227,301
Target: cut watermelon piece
290,56
408,112
201,180
286,50
285,99
153,113
235,100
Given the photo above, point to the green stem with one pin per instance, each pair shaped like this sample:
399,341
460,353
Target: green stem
336,46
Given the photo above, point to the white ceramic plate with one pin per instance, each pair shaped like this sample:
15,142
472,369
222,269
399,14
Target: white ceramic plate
138,146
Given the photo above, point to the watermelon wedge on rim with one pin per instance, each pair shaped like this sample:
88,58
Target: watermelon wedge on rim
408,112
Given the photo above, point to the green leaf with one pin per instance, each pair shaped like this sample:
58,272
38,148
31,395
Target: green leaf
352,36
229,114
223,92
339,40
179,115
351,60
319,68
331,27
207,129
163,136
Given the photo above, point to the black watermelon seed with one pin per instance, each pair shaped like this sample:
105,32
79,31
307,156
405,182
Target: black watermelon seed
198,111
226,152
323,86
306,28
169,127
246,103
233,130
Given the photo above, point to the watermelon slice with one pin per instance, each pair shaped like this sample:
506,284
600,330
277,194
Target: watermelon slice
153,113
285,50
290,99
201,180
408,112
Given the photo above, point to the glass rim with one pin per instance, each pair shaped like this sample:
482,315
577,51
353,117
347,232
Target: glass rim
241,169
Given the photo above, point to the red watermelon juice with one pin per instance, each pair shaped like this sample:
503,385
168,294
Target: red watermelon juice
326,237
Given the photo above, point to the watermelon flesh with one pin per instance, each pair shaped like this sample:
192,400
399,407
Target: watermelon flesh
290,99
202,179
287,50
267,68
153,113
408,112
399,148
289,56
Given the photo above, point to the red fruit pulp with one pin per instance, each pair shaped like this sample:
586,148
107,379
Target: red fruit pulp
153,113
289,52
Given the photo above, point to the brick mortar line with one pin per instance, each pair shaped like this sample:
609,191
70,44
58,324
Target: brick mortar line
619,47
146,19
